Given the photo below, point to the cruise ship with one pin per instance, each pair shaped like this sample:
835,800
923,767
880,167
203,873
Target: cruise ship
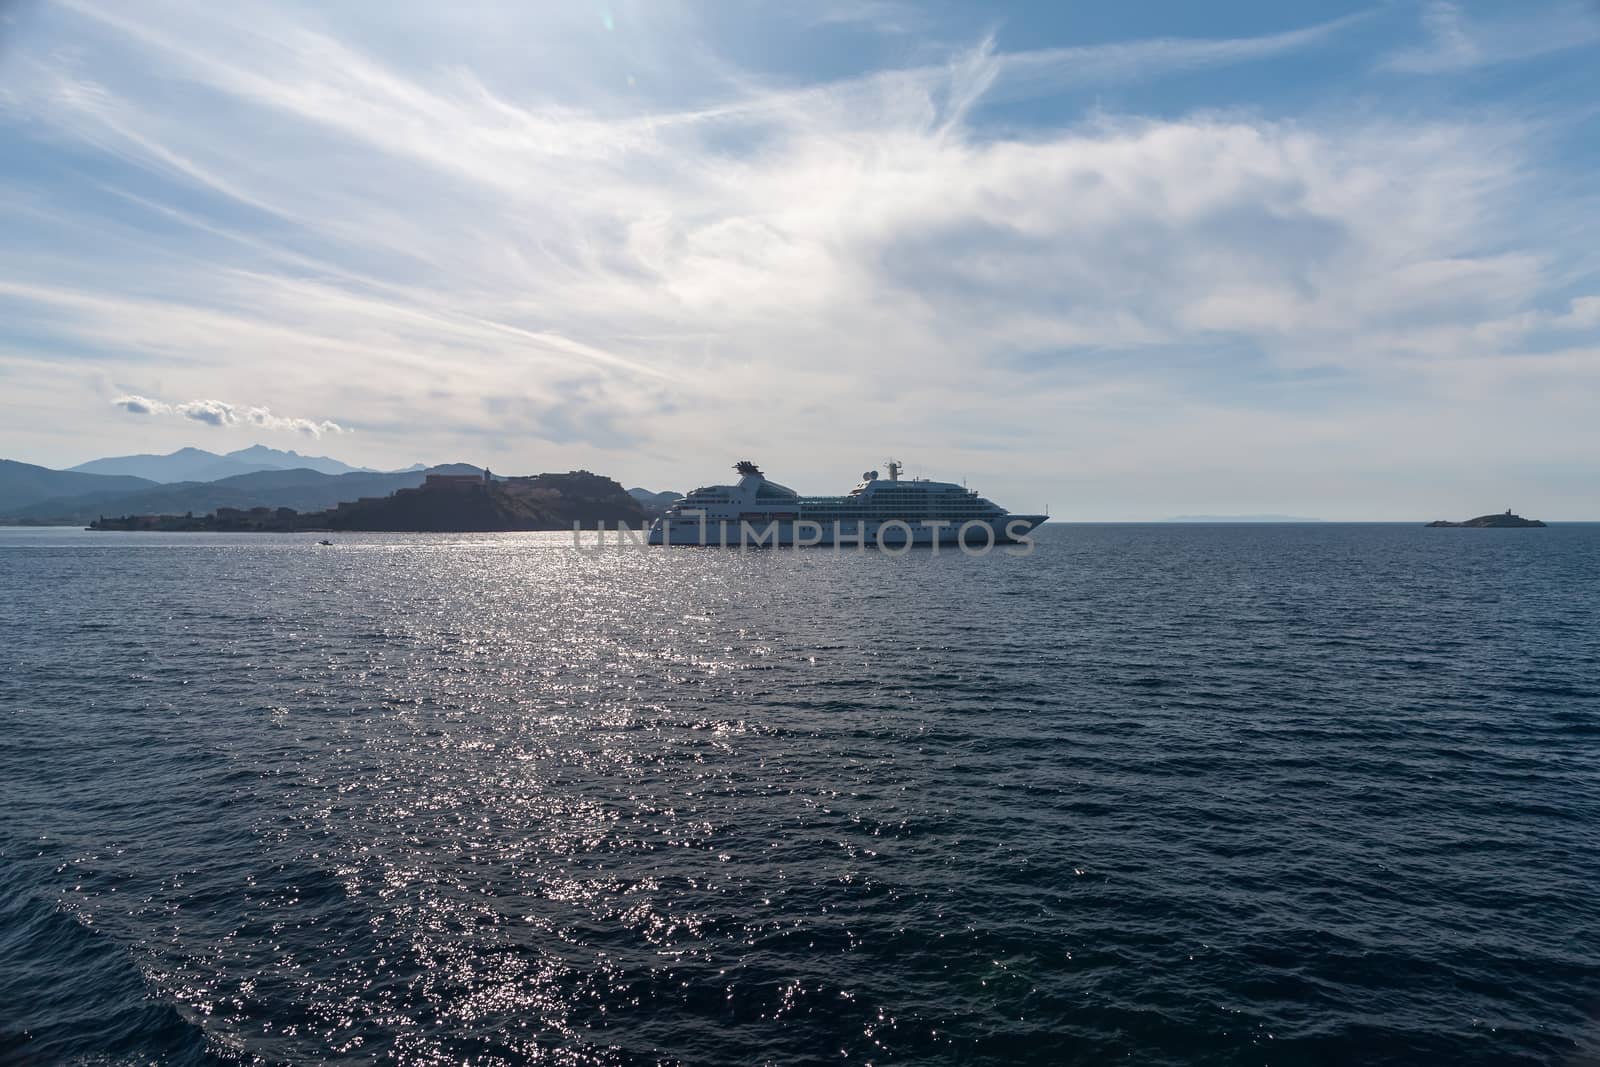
884,512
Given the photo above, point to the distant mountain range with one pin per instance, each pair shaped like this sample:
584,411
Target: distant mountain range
198,465
22,484
474,503
303,490
193,480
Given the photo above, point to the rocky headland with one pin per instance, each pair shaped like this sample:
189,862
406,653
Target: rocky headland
444,503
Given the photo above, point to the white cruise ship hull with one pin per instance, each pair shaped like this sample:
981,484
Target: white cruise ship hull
975,534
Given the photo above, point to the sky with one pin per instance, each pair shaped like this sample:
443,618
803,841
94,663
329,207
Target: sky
1123,261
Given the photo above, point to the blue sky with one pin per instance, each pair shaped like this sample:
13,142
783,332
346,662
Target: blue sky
1128,260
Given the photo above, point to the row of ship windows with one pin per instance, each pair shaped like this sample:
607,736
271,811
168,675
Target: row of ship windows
941,503
881,494
845,516
867,506
869,512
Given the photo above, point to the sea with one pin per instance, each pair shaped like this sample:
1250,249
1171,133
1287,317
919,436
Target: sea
1151,794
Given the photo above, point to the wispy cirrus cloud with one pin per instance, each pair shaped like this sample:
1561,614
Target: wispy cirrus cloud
1456,40
521,259
886,16
220,413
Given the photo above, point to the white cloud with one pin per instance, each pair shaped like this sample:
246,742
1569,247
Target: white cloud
884,16
1456,41
140,405
222,414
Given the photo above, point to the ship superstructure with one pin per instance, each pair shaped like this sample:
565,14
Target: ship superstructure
890,512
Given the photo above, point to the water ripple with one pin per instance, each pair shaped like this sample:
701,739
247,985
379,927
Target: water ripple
1159,794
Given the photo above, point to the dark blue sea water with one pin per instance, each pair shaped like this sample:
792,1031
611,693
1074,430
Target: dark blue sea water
1154,794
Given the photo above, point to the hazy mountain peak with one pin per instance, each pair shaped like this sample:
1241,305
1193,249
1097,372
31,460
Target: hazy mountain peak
262,452
264,457
179,466
198,465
